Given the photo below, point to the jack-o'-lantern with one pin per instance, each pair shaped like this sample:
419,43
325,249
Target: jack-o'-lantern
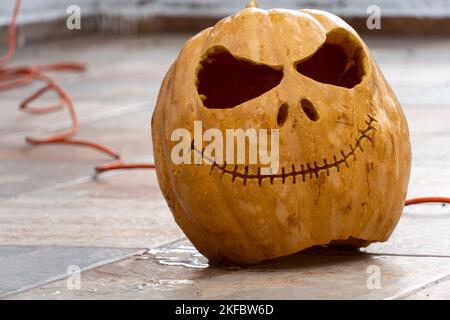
344,151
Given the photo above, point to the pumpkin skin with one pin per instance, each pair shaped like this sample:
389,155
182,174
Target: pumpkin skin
358,149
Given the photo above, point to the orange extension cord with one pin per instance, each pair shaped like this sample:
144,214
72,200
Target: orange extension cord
15,77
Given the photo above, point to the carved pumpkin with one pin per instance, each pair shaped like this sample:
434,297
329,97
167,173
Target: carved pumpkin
344,146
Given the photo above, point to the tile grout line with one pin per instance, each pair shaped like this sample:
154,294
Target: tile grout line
411,291
402,295
98,117
336,253
92,177
64,276
407,255
90,267
168,243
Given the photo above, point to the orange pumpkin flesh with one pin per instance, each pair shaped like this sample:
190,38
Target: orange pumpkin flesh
344,145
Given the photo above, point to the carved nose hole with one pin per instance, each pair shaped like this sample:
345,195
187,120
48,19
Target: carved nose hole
309,110
282,114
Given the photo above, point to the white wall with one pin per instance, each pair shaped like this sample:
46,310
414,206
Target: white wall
44,10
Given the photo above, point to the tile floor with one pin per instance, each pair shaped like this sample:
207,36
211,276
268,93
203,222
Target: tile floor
117,228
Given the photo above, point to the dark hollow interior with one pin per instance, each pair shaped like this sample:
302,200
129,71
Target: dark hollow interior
225,81
309,110
331,65
282,115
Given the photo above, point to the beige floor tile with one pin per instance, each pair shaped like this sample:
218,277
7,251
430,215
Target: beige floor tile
163,274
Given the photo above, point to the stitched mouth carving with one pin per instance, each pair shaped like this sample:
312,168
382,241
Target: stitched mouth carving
303,171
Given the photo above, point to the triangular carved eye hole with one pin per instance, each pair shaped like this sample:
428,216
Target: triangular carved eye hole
224,81
340,61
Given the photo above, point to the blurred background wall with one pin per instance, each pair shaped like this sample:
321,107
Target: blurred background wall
46,18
